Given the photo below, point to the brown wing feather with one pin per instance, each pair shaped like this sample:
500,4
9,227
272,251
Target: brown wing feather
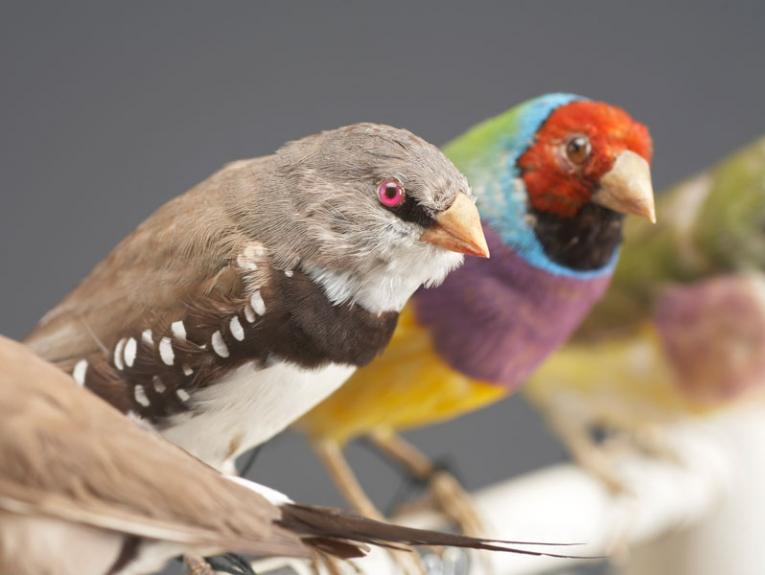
65,453
152,271
328,525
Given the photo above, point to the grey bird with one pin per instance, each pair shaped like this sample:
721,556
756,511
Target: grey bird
239,305
85,491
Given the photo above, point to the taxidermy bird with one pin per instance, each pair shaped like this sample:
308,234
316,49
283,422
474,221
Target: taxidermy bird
239,305
85,491
681,332
554,177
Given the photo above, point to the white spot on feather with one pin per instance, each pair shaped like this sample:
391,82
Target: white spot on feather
218,345
182,394
166,351
257,303
118,354
140,396
289,273
147,337
236,329
249,314
159,385
187,371
131,349
80,371
179,330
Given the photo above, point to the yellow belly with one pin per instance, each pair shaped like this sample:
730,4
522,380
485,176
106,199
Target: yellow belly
409,385
624,382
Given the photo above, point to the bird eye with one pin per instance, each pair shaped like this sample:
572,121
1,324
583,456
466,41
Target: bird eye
390,192
578,149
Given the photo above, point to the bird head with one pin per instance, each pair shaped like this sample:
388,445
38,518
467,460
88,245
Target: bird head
372,207
555,176
589,152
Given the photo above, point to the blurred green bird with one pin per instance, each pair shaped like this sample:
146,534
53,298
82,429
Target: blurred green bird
681,331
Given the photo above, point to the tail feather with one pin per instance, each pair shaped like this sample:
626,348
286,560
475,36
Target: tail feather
329,527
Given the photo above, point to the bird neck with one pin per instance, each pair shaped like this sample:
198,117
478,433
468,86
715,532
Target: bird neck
386,286
496,320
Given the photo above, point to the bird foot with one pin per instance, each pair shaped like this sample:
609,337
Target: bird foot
230,563
197,565
458,505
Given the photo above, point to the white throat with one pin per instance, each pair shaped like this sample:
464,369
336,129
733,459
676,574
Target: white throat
388,286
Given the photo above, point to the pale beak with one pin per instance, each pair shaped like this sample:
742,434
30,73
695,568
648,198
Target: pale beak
458,229
626,188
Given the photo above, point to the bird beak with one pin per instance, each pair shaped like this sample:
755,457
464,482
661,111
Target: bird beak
459,229
626,188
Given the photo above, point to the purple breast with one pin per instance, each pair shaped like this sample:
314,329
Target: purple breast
497,319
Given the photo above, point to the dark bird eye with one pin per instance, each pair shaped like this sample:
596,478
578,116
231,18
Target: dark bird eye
578,149
390,192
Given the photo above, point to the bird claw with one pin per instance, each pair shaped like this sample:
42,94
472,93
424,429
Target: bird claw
230,563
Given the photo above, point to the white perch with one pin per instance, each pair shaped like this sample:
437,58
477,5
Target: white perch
701,517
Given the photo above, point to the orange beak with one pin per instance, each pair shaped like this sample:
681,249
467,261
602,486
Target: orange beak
459,229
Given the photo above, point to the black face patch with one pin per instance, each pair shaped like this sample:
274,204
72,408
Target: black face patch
584,242
412,211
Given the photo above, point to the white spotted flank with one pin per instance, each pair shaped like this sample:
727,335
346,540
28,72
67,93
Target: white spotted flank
80,371
131,349
118,354
218,345
140,396
257,303
236,329
166,351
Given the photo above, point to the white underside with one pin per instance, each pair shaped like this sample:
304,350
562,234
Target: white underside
248,407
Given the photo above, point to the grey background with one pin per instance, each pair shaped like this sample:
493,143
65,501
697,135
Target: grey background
109,109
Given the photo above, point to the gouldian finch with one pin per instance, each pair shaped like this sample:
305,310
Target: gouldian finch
682,328
239,305
554,177
85,491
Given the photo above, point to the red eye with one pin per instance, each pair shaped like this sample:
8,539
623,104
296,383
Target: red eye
390,193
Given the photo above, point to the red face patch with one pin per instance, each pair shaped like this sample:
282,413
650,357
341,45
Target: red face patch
573,149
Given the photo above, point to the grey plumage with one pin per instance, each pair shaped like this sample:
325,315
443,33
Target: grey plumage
251,277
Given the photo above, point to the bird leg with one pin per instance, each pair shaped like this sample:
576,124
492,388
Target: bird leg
585,452
331,455
447,492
